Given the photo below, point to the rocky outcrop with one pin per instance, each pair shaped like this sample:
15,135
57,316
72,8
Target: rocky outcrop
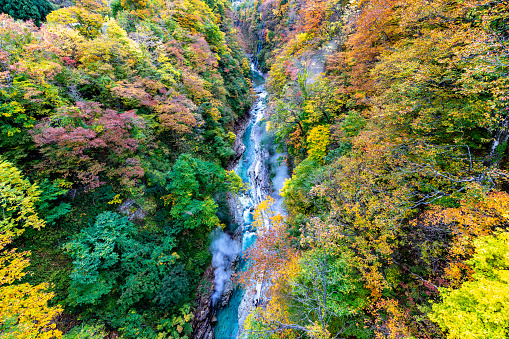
238,145
61,3
205,313
229,286
236,212
132,210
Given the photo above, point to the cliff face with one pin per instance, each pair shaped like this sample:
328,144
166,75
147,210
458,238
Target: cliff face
204,315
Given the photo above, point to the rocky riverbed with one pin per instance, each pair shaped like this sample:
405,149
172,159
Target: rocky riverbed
222,306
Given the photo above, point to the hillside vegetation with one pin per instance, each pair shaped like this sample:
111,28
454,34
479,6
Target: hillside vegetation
395,117
118,121
116,126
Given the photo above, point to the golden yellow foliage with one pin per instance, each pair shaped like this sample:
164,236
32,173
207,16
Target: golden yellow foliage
87,23
24,310
17,200
318,139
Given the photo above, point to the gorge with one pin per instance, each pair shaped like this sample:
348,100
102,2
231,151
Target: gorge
345,161
254,169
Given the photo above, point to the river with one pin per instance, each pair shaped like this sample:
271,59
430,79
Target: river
262,169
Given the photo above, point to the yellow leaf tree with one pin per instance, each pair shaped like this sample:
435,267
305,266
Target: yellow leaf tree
24,310
318,141
479,308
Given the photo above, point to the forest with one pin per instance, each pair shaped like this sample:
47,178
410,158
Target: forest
118,124
395,117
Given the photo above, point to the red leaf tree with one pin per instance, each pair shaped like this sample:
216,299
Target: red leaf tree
87,145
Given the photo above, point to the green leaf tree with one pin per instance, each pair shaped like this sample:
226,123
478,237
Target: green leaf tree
26,9
327,295
479,308
193,185
113,265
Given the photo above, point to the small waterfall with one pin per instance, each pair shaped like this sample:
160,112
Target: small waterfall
259,47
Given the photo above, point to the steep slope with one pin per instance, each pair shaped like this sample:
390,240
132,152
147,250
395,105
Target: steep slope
124,118
399,165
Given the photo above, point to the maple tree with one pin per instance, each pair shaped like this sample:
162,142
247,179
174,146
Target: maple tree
107,140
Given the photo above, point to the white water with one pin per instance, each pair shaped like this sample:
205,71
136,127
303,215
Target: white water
252,168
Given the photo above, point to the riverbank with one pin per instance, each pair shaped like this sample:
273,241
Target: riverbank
225,319
206,313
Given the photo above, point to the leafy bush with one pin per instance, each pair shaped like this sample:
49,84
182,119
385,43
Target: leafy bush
87,331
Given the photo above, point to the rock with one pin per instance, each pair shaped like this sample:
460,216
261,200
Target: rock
204,312
133,211
229,285
238,146
235,207
227,293
62,3
239,151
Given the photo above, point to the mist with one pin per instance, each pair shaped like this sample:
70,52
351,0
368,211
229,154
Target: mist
224,250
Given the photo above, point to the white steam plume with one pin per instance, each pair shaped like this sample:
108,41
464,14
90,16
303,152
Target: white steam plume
224,251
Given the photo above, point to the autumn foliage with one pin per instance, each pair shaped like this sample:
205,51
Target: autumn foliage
107,110
395,117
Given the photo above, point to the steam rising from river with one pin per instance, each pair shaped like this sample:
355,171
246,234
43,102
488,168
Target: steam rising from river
225,250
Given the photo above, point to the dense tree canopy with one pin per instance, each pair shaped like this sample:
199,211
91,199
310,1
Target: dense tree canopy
122,120
118,121
394,115
35,10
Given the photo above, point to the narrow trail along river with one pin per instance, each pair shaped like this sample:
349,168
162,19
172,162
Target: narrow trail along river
254,167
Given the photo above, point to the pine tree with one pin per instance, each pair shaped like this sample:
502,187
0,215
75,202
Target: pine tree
35,10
